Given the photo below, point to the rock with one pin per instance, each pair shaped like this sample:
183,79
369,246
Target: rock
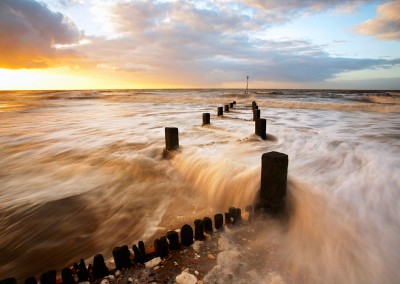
153,263
210,256
186,278
196,246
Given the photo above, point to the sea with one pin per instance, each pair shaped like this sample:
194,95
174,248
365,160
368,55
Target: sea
84,171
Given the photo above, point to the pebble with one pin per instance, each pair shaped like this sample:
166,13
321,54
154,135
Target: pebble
210,256
117,273
196,272
153,263
186,278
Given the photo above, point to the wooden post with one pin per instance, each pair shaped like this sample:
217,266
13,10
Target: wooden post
230,105
173,238
199,230
49,277
206,118
208,227
261,128
142,249
234,102
30,280
161,247
138,257
100,269
83,273
235,214
220,111
256,114
122,257
218,221
66,276
226,108
274,167
171,138
186,235
228,220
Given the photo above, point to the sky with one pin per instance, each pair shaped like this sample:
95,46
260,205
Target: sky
124,44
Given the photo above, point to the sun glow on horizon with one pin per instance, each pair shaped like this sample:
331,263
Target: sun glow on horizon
64,78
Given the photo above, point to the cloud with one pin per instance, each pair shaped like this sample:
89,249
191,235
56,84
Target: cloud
193,43
29,31
188,43
386,25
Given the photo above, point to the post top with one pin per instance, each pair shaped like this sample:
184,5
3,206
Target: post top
274,154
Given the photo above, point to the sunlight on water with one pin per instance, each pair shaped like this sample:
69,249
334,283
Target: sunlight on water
83,171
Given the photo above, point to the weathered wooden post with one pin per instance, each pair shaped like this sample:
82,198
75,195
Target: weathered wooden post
235,215
274,167
256,114
230,105
142,249
30,280
83,273
186,235
49,277
220,111
171,138
226,108
199,230
261,128
138,257
206,118
208,227
100,269
122,257
173,238
66,276
218,221
161,247
234,102
228,220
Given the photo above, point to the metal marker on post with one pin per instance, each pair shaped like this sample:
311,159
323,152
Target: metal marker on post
247,86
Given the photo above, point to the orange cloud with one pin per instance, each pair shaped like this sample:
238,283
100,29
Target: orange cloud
29,32
386,25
